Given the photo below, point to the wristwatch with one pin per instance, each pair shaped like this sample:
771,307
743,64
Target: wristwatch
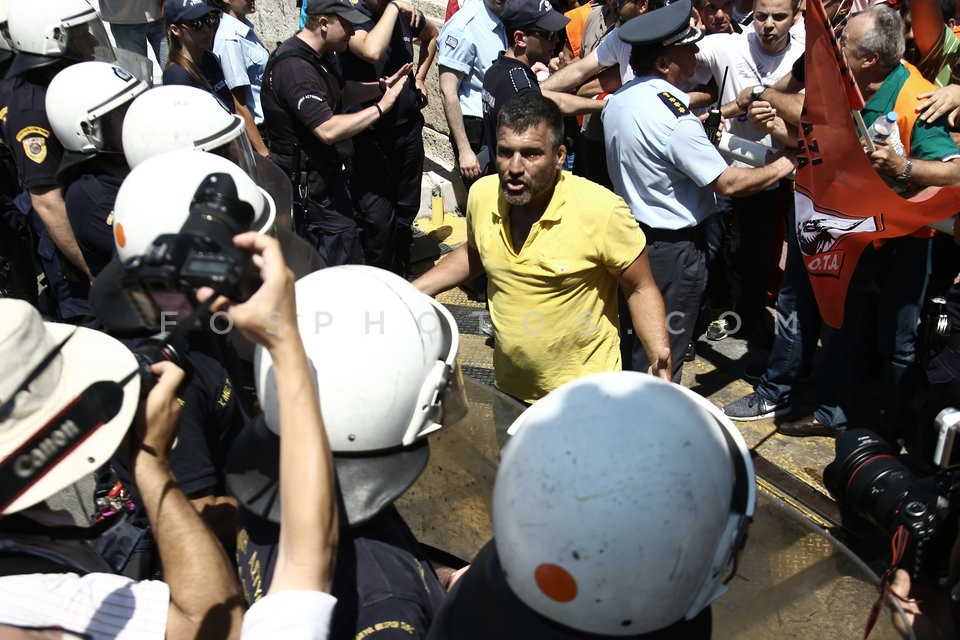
757,92
905,176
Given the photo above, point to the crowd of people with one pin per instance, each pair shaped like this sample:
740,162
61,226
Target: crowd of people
210,320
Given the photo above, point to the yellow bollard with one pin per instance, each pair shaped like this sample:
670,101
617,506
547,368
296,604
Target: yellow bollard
437,218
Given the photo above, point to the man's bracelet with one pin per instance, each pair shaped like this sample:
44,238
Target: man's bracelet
379,110
905,176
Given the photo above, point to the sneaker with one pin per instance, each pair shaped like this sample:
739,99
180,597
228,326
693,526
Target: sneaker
717,330
486,324
753,407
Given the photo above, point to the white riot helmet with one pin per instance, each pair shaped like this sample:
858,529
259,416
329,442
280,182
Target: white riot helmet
44,32
155,198
86,103
621,503
349,317
191,119
6,47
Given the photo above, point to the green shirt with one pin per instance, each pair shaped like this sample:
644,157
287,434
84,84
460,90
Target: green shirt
928,140
937,66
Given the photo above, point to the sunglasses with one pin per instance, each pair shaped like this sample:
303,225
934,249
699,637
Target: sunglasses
546,35
210,20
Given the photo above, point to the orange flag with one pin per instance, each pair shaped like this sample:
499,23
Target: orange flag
842,204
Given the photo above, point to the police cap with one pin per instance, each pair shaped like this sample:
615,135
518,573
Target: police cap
664,27
341,8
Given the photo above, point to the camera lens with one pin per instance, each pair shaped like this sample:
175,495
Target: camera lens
160,348
217,212
867,476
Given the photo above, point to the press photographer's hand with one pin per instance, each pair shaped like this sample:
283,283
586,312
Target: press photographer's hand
158,420
269,317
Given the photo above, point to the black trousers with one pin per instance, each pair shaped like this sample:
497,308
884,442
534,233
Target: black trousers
385,184
331,223
679,266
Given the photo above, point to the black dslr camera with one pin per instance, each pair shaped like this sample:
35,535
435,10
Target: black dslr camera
868,475
162,283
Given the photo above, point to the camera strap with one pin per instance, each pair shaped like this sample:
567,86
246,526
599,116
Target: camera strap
53,442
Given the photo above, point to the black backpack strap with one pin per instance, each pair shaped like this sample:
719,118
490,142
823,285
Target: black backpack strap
16,563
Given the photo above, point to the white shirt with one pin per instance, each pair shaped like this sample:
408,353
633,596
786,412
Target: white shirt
612,50
749,66
291,615
98,605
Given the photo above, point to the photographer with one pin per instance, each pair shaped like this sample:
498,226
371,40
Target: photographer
298,601
69,420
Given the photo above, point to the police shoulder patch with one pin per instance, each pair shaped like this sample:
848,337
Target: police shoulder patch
673,103
35,148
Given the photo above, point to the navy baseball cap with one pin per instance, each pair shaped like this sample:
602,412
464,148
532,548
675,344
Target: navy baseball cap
341,8
666,27
530,14
175,11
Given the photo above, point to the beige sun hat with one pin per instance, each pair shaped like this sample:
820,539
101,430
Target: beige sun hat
63,409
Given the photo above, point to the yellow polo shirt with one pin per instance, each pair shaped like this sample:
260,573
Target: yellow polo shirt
554,302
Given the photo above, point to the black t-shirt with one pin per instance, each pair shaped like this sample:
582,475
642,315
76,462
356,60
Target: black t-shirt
383,582
798,71
89,201
399,52
307,95
211,71
36,151
506,79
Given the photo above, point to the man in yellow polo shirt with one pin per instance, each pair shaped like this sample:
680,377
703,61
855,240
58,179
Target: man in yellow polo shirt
554,247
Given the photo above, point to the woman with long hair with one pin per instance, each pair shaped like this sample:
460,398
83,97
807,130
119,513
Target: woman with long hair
191,25
243,59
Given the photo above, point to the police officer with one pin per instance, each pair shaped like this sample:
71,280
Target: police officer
383,582
469,43
388,163
86,103
562,567
662,163
18,269
303,97
46,43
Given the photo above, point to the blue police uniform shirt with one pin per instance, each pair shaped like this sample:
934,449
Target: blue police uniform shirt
469,43
90,199
210,70
505,80
399,52
383,582
36,151
242,59
659,156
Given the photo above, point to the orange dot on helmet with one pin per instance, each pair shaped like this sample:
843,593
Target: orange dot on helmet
121,238
555,582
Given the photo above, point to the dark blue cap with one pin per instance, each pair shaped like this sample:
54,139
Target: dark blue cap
663,27
341,8
175,11
532,14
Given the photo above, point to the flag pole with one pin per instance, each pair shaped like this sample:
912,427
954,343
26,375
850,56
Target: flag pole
863,130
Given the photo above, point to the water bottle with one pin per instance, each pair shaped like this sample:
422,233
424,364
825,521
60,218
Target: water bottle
883,127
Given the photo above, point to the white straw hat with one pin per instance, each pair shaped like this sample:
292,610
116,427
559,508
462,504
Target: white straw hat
63,411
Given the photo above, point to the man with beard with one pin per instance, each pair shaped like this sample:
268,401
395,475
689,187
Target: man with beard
554,247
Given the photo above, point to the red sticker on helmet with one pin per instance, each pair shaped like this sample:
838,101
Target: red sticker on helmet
555,582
